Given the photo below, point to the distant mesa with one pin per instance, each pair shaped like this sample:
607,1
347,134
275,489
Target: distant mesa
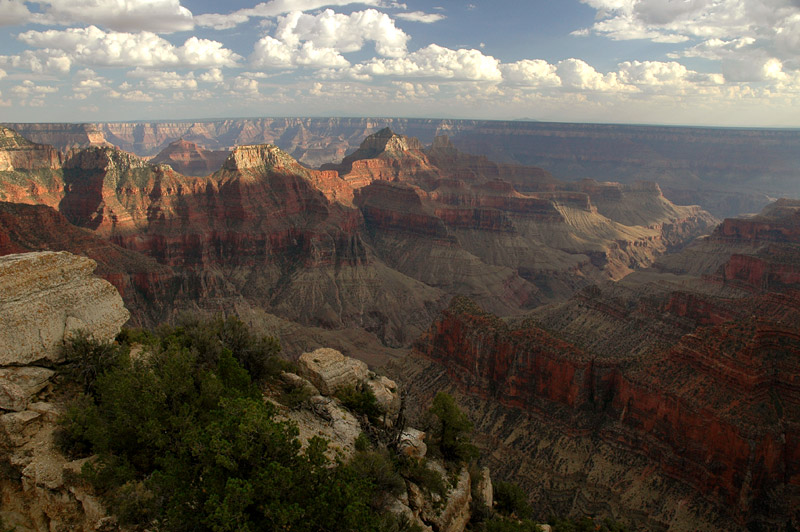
190,159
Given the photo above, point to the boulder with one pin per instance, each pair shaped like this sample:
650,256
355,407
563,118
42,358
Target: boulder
46,297
412,443
386,393
330,371
19,384
484,491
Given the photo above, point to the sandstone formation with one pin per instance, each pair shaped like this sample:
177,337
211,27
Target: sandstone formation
691,366
330,371
145,285
379,247
46,297
188,158
727,171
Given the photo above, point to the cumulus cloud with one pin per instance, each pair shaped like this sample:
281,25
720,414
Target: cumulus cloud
532,73
160,16
773,22
39,61
164,80
2,73
344,33
576,74
212,75
13,12
435,61
319,40
94,47
29,94
278,7
420,16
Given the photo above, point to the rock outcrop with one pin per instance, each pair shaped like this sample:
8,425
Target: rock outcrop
46,297
693,370
726,171
188,158
379,247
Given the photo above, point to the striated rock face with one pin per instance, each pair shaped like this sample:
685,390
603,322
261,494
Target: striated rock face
726,171
331,371
146,286
380,246
188,158
693,371
47,296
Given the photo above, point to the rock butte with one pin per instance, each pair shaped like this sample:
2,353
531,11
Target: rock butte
695,369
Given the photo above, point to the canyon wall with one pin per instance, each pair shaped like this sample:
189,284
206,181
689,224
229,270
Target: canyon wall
727,171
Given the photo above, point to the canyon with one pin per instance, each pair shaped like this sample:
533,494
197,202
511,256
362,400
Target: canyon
691,364
726,171
614,359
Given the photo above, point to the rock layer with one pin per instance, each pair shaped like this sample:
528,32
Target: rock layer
46,297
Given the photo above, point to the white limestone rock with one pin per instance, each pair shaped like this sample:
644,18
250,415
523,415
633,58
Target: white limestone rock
387,395
330,371
19,384
46,296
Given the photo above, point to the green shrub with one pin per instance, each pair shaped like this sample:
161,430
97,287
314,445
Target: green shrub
448,429
418,472
378,469
85,359
185,443
361,401
511,500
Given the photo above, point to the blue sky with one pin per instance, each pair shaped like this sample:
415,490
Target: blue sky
694,62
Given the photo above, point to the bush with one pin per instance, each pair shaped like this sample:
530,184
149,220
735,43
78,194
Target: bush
378,469
85,359
418,472
449,430
361,401
510,500
185,442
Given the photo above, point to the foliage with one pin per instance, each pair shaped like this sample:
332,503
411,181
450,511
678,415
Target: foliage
449,429
586,524
511,500
500,524
85,359
378,469
361,401
418,472
185,442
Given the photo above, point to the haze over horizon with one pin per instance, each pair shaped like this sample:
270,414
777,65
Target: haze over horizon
689,62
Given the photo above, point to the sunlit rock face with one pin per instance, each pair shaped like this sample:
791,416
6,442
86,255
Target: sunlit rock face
46,297
691,366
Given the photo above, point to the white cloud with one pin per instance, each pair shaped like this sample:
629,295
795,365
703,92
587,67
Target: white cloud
420,16
160,16
213,75
243,86
532,73
13,12
279,7
576,74
95,47
344,33
160,80
653,73
770,22
39,61
319,40
2,73
29,89
435,61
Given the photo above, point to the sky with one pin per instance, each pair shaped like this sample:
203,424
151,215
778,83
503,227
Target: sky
690,62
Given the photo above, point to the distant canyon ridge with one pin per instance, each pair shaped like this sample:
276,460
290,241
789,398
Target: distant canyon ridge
726,171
